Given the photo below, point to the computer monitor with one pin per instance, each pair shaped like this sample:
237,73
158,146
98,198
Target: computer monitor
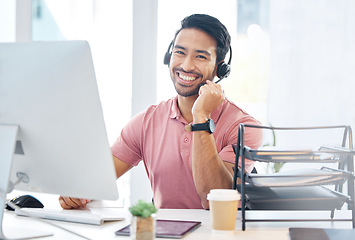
51,117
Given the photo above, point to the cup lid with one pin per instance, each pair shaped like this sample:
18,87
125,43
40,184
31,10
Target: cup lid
223,195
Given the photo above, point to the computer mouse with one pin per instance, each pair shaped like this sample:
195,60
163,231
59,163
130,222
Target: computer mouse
25,201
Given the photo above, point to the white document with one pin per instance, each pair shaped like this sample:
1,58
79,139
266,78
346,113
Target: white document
297,177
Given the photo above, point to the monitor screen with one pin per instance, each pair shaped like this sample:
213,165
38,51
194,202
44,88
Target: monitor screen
49,90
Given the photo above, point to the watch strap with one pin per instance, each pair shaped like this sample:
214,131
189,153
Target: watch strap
206,126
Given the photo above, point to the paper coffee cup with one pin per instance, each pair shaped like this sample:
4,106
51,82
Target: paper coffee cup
223,208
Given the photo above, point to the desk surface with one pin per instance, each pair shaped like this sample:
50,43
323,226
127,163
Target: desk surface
254,230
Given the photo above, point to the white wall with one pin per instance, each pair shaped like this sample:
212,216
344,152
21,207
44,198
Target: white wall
23,20
15,20
312,63
144,82
7,21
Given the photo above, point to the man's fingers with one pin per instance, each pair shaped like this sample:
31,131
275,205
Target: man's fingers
69,203
63,204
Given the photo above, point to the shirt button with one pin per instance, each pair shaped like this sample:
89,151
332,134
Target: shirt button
186,140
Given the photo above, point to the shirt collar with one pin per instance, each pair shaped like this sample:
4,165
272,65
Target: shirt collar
175,111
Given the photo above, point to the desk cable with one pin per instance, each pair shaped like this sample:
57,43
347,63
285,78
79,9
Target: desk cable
15,207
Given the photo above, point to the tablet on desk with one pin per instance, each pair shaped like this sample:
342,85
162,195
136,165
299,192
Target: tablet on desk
168,228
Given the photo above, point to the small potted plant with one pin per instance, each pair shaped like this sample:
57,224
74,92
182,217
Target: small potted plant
143,221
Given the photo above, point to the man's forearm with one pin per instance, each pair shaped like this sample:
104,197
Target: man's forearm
209,171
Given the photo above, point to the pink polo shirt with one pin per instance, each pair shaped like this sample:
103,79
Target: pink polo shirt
158,137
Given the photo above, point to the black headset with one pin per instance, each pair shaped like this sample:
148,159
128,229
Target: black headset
223,69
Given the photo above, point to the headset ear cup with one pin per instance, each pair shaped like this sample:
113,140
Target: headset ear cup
223,70
167,55
167,58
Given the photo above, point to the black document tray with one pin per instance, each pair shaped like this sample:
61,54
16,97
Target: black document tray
293,198
300,189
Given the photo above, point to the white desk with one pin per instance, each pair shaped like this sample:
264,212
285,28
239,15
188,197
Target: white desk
254,230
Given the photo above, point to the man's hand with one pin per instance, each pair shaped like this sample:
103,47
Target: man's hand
70,203
210,97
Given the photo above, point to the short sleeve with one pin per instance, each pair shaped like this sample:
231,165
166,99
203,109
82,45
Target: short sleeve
253,138
127,147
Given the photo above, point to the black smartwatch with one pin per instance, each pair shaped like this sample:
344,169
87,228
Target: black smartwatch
208,126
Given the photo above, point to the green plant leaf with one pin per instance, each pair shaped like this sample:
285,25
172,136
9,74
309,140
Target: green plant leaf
143,209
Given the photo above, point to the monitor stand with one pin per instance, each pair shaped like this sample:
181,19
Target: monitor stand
8,134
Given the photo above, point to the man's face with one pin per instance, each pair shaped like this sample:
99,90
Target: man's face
193,61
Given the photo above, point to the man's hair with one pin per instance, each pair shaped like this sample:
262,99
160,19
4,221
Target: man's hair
213,27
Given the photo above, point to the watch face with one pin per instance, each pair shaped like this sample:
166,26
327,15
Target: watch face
212,126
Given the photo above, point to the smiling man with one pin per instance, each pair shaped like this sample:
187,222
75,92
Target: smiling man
186,142
193,61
